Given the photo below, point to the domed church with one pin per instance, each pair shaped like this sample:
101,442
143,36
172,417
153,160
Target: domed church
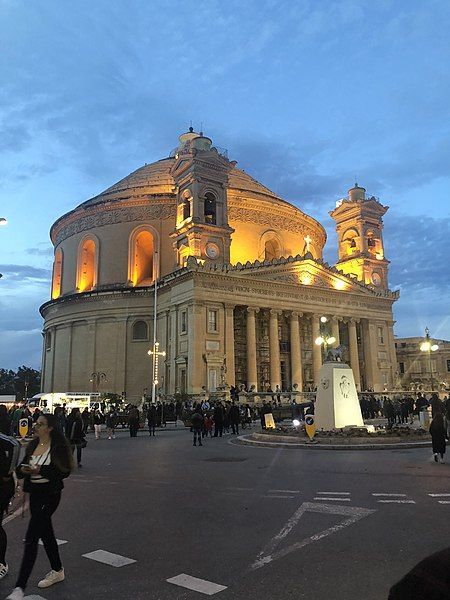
242,289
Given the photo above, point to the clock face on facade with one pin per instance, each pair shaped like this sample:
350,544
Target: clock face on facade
376,279
212,250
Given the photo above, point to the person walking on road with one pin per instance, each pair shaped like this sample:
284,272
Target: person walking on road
74,432
133,421
438,434
98,420
235,418
151,418
218,419
47,462
111,418
197,425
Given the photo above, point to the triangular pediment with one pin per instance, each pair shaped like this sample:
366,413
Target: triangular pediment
305,272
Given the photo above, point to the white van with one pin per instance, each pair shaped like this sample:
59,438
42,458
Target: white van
49,401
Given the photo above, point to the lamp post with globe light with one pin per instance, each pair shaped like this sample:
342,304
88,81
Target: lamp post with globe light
428,347
323,339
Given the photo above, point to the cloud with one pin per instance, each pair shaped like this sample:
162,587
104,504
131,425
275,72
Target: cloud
25,273
44,249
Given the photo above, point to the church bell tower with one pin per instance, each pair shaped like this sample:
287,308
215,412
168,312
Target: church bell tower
359,227
200,173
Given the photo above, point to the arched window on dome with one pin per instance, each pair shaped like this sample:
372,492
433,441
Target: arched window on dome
142,267
57,274
272,249
210,208
87,265
140,331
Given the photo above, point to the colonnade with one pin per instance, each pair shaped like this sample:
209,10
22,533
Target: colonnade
368,334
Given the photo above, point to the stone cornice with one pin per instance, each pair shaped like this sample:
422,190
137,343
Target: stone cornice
108,214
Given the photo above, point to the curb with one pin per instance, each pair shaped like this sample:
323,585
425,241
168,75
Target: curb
247,441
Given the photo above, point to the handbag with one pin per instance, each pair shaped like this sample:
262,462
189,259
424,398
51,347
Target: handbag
83,443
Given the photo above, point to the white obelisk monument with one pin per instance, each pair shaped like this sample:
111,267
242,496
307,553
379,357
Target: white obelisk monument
337,403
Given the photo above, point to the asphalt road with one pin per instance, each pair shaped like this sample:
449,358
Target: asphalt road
264,523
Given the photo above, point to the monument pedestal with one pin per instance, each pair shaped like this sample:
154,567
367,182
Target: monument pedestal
337,403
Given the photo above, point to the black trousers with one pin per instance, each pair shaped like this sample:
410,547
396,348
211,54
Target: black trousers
78,447
6,493
235,428
218,429
197,434
151,428
43,503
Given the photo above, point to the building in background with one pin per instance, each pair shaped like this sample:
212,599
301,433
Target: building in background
422,370
242,284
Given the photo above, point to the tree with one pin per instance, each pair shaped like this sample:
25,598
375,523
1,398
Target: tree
23,383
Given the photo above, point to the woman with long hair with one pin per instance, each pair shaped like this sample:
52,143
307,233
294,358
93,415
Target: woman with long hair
48,460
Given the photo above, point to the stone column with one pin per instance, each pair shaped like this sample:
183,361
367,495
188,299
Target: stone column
121,357
296,355
173,345
392,353
196,336
229,344
252,372
372,371
335,331
316,350
353,351
274,349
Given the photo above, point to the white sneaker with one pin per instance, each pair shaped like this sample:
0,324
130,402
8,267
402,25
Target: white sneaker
16,594
3,570
52,578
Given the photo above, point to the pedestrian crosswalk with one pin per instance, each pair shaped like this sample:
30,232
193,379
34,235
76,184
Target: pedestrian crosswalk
344,497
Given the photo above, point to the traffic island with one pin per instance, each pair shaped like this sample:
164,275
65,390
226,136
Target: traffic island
347,439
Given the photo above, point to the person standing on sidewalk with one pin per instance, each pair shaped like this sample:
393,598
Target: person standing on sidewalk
48,460
111,419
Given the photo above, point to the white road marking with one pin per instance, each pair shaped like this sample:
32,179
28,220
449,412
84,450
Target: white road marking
439,495
334,493
352,514
396,501
59,542
286,491
239,489
332,499
108,558
275,496
34,597
198,585
393,495
444,501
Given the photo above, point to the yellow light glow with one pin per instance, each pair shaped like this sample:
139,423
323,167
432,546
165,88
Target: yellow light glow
339,284
306,279
323,319
318,341
379,256
425,346
434,347
331,340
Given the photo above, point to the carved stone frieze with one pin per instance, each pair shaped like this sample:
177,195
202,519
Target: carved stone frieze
148,212
281,222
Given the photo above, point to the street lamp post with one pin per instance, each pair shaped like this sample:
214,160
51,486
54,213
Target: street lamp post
96,378
428,347
154,352
324,340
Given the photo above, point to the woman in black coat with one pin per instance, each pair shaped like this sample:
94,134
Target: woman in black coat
438,435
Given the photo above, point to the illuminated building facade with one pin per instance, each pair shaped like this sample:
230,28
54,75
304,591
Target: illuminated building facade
242,283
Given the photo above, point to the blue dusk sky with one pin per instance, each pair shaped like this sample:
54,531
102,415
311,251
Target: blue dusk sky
305,95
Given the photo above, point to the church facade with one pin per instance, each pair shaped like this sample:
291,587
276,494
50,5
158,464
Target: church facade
243,293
